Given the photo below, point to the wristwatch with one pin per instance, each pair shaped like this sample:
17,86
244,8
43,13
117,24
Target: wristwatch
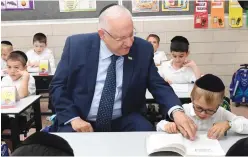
230,124
177,109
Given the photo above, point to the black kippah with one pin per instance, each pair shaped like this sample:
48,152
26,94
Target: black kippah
240,148
106,7
51,140
211,83
22,54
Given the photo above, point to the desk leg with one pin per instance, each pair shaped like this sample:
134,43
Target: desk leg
15,137
37,115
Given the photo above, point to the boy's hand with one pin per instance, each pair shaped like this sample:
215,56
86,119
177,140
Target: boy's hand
34,64
218,130
23,73
171,128
189,63
170,82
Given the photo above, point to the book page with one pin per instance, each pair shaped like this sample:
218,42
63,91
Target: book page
180,87
165,142
203,146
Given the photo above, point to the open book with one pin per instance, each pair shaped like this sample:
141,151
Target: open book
201,146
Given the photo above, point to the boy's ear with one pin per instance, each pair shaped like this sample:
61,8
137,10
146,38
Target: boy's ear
26,67
188,53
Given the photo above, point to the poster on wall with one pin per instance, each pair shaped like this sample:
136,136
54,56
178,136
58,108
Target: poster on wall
217,14
77,5
235,17
201,14
17,4
175,5
145,6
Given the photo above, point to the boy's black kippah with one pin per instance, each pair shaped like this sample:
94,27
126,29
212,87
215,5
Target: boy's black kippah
240,148
6,42
211,83
22,54
50,140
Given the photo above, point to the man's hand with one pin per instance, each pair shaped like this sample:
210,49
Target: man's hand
80,125
185,125
218,130
170,127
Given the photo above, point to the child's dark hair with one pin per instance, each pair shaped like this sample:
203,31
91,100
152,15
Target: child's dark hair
154,36
40,37
44,144
18,56
179,44
5,42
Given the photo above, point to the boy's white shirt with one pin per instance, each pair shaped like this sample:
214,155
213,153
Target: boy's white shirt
239,124
181,76
7,81
45,55
159,56
3,64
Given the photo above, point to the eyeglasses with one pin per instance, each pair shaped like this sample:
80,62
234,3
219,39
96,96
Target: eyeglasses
200,109
120,39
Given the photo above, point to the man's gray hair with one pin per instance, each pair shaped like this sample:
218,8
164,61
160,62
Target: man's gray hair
114,12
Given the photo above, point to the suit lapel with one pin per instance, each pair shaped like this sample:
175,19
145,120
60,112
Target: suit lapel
128,67
92,65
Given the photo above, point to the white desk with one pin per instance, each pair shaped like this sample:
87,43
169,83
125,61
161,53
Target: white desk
122,143
180,94
21,106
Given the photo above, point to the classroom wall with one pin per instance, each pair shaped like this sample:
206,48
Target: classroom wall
217,51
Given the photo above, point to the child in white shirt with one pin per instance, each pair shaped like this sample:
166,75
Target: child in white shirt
179,69
159,56
206,112
6,49
20,78
39,52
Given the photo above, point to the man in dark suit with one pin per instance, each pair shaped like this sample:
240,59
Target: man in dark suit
101,80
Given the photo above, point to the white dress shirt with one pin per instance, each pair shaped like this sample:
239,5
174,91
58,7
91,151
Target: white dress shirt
7,81
239,124
184,75
45,55
159,57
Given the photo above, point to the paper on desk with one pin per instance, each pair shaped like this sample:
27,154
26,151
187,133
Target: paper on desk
180,87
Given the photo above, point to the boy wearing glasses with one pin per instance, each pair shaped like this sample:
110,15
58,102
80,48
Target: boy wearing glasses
39,52
206,112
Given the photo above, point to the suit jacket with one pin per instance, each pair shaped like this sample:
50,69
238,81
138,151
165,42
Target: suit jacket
73,84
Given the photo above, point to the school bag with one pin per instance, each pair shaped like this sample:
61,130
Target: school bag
239,85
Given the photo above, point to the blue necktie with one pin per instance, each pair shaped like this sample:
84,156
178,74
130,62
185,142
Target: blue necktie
105,110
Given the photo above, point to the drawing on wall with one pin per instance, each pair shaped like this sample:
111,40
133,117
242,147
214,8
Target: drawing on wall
77,5
17,4
145,6
175,5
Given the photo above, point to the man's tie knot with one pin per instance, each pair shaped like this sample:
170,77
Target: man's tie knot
114,58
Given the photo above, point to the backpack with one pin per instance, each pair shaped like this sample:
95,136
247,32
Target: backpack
4,150
239,85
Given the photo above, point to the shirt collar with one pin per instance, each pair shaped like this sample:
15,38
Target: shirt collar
181,69
104,51
157,52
